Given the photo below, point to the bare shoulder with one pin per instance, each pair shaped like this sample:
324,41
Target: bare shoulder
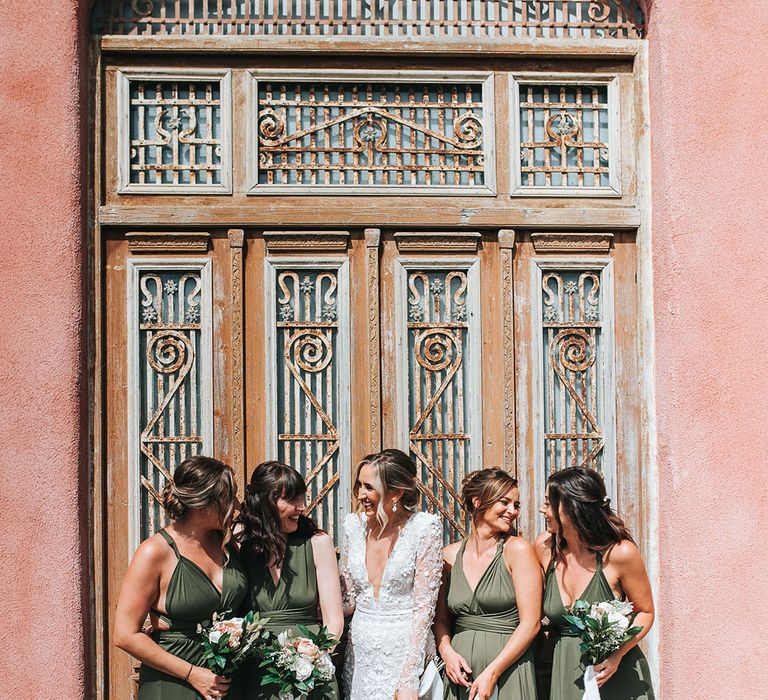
153,550
450,552
624,553
322,542
518,551
543,548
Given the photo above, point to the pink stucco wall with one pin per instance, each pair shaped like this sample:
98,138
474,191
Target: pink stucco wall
710,261
43,530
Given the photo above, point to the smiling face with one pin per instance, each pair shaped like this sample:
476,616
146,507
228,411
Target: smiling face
366,489
502,513
549,515
289,511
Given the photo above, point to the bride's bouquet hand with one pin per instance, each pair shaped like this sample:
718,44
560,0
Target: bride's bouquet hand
457,669
606,669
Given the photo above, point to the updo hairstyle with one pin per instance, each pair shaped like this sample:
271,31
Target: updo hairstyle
488,486
394,471
581,494
199,482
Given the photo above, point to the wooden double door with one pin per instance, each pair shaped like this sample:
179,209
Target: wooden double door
464,348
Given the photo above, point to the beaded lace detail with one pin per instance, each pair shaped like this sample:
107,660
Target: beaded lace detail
390,636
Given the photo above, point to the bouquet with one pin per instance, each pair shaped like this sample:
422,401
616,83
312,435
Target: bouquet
602,628
298,665
229,642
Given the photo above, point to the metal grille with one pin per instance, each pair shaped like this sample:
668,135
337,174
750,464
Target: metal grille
564,136
170,383
371,134
472,18
438,335
574,434
175,133
307,385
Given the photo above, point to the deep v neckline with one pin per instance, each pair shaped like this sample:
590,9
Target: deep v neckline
485,571
389,558
200,569
586,588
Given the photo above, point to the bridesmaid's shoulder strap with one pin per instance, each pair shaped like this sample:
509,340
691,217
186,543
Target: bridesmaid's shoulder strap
170,542
599,556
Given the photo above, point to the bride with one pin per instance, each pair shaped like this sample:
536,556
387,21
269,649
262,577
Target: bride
391,562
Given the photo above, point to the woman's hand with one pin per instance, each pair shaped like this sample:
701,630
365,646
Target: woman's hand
456,668
606,669
403,693
483,685
207,683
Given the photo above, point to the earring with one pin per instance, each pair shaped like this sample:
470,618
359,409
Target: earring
394,506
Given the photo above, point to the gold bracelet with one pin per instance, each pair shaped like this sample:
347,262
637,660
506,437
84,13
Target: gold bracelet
186,678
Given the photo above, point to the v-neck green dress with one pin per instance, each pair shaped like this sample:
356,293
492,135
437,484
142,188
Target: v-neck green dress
294,601
632,680
483,622
191,598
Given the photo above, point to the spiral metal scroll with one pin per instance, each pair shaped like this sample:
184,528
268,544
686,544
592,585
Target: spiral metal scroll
468,129
573,349
310,349
169,351
435,349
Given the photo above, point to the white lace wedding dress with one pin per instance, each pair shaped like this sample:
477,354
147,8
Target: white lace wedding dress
390,636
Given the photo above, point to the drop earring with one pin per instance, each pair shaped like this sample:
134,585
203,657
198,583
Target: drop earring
394,506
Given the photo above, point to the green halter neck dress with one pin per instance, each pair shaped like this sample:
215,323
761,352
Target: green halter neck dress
483,622
632,680
191,598
293,601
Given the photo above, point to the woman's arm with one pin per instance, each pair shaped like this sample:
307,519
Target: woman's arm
521,560
328,586
633,578
455,664
426,584
348,594
140,589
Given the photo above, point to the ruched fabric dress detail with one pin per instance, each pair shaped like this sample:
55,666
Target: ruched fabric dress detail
632,680
293,601
191,598
484,620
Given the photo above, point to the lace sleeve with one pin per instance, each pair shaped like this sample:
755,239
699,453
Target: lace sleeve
426,584
348,596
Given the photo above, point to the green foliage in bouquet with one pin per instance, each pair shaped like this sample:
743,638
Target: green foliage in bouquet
602,627
299,664
230,642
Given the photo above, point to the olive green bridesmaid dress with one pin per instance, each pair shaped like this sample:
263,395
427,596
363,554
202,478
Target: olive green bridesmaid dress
632,680
483,622
191,598
293,601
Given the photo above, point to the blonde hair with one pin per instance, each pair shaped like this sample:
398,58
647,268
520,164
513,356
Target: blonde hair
393,471
199,482
488,486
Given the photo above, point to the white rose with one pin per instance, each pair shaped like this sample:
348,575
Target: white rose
604,608
619,620
302,668
214,636
282,638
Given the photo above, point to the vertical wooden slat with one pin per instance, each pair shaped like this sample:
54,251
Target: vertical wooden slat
237,348
507,249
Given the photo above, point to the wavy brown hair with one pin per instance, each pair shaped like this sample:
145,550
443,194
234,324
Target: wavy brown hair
199,482
581,493
260,533
488,486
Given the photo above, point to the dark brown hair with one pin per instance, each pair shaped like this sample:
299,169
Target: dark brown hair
581,493
488,486
199,482
260,534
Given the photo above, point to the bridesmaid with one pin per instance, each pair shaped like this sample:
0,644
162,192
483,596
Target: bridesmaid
291,565
490,597
588,553
181,576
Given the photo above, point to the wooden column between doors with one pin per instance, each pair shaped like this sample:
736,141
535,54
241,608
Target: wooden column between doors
372,241
507,246
237,400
